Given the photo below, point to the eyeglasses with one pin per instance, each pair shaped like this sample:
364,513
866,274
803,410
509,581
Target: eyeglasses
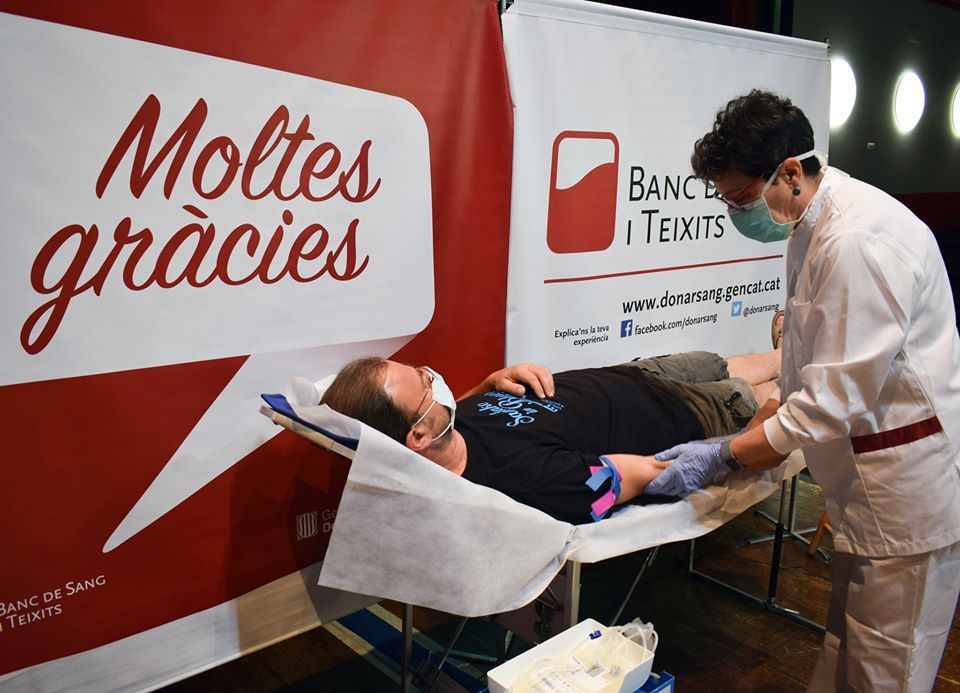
426,377
734,203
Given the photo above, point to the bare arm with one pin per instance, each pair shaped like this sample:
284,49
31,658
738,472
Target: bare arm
768,409
752,448
636,471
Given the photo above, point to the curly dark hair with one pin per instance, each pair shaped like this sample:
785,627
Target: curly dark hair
357,391
754,134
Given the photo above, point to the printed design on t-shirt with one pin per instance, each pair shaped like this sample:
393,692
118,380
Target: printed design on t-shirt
520,410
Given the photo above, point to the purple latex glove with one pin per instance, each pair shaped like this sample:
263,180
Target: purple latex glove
695,465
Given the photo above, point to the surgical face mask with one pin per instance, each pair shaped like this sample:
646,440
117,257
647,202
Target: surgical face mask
754,220
441,395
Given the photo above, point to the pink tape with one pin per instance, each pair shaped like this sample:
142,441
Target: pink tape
603,503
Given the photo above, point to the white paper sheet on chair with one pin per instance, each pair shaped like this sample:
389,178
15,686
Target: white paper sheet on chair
410,531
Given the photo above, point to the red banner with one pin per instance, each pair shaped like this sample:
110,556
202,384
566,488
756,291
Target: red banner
122,341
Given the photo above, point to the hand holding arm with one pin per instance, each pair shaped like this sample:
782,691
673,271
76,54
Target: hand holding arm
697,464
694,466
636,471
515,379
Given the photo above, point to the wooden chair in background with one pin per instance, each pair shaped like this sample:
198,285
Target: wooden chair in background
823,525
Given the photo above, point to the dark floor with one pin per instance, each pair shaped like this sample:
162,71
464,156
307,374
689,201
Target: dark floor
709,639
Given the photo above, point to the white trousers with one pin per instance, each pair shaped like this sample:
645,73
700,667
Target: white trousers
888,622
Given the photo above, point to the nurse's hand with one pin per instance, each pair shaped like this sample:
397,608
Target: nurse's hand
694,466
515,380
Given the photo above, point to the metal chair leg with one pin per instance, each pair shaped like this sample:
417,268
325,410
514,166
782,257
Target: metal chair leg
406,647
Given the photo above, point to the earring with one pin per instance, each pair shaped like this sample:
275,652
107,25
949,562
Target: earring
796,191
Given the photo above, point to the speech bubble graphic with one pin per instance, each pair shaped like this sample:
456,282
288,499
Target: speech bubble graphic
189,207
168,207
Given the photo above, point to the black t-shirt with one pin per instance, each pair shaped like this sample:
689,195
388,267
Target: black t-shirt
539,451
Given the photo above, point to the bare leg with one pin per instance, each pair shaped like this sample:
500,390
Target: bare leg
755,368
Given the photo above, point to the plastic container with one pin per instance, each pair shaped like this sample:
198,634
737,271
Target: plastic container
572,661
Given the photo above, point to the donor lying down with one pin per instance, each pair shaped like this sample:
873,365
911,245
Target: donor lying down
540,437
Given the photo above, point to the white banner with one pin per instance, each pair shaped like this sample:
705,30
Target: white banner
206,198
616,250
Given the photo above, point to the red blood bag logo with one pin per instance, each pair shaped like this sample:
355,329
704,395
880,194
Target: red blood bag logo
583,192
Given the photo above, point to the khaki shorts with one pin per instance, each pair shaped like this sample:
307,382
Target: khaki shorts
701,381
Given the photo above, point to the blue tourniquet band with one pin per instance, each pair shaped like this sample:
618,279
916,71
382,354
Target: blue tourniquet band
602,505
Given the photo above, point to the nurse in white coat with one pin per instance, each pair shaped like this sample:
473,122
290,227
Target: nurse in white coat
870,390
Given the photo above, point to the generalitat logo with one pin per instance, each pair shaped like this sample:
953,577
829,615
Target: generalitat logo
582,209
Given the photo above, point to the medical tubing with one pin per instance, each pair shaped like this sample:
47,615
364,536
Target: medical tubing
640,633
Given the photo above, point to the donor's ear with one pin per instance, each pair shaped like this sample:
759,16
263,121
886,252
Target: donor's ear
418,438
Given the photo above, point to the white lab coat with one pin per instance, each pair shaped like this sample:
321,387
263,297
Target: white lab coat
870,389
870,346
